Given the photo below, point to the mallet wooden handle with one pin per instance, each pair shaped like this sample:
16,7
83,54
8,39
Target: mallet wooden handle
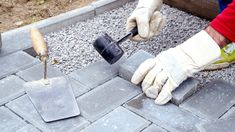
39,44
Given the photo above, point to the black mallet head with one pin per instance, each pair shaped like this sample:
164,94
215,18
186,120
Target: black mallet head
109,49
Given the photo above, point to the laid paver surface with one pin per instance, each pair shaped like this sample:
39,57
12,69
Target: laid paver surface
229,114
9,121
15,62
23,107
108,101
10,87
119,120
106,97
36,72
154,128
225,125
28,128
212,101
168,116
95,74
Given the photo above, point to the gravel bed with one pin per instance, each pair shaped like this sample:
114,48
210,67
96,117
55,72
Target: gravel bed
72,45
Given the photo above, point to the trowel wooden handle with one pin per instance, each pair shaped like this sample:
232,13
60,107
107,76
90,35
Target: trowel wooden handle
39,44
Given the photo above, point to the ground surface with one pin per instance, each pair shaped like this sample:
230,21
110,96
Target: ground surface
16,13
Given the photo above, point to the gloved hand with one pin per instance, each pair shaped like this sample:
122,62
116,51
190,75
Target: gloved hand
147,18
161,75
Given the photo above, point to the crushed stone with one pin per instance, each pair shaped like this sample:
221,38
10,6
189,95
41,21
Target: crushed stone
72,45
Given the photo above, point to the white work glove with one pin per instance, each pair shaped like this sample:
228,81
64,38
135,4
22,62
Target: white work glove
161,75
147,18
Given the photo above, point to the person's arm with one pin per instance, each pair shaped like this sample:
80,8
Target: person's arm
220,39
222,27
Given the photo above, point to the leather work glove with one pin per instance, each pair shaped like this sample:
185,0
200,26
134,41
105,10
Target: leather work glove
147,18
161,75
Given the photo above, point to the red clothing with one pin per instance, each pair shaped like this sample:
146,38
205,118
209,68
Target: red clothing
224,23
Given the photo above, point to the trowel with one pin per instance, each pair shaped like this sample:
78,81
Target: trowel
53,98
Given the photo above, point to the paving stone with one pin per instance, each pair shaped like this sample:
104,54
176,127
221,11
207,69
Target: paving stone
212,101
106,5
119,120
78,88
10,88
154,128
96,73
229,114
128,68
224,125
23,107
15,62
185,90
168,116
36,72
28,128
9,122
106,97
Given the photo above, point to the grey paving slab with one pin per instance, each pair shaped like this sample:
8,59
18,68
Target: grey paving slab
36,72
185,90
10,88
211,101
119,120
106,5
106,97
14,62
96,73
9,122
78,88
225,125
229,114
168,116
28,128
23,107
128,68
154,128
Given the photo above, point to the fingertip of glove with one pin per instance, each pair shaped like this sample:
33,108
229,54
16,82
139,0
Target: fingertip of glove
163,98
135,78
151,92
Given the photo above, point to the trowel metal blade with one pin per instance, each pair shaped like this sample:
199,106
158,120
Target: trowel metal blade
54,101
